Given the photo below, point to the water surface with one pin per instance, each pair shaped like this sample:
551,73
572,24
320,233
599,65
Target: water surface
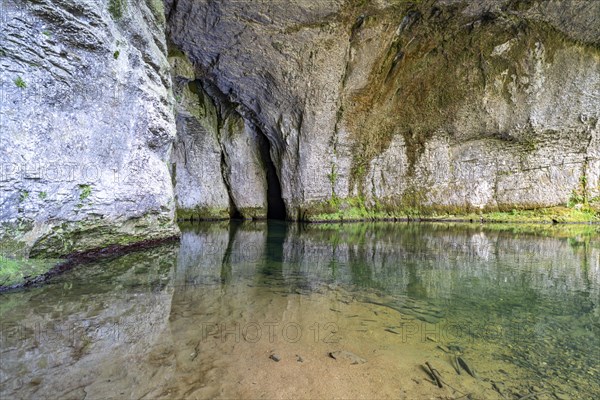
202,318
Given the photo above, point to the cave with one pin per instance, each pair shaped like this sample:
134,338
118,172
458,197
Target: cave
385,199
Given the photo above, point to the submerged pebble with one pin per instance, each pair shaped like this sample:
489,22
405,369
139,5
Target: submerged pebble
347,356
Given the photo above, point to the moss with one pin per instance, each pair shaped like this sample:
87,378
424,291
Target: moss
553,214
200,105
42,195
70,237
333,177
350,209
20,83
16,271
253,212
429,71
355,209
233,124
158,10
23,195
116,54
117,8
203,214
85,192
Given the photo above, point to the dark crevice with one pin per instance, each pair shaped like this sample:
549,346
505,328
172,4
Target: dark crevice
275,204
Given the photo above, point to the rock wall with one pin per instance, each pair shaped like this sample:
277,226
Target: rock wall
395,106
118,113
87,125
219,163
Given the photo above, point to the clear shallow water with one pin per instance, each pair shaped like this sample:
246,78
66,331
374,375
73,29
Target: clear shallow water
201,318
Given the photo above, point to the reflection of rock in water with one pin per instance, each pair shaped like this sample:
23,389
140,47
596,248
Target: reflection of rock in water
525,304
428,261
201,254
99,334
217,252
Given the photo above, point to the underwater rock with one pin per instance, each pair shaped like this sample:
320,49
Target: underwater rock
347,356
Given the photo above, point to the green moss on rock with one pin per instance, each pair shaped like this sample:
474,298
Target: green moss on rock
117,8
158,10
354,209
253,212
14,271
91,234
436,65
203,214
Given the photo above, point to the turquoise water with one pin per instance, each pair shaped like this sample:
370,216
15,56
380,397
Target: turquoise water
201,318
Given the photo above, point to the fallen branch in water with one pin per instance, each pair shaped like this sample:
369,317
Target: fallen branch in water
435,374
437,378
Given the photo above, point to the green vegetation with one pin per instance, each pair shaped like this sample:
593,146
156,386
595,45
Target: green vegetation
579,196
70,237
47,33
23,195
117,8
334,201
20,83
158,10
42,195
202,213
356,209
333,176
544,215
116,54
15,271
85,192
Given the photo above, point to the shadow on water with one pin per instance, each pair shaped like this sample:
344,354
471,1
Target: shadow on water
527,300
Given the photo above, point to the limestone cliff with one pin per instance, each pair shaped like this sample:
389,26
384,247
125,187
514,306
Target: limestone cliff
87,125
391,107
118,114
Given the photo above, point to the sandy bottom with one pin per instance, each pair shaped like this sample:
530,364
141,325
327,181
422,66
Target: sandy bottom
223,343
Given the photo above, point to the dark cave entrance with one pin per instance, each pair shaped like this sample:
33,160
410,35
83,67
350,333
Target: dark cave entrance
275,204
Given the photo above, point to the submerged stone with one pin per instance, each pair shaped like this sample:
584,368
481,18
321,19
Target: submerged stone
348,356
